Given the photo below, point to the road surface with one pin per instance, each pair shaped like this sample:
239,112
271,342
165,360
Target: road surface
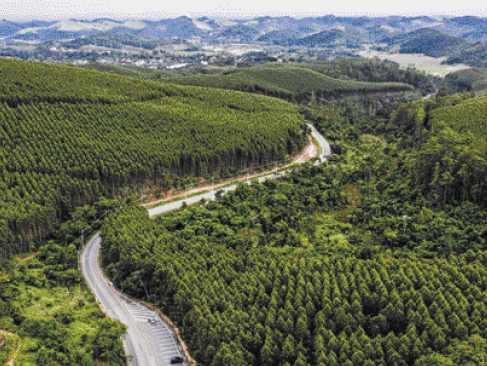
324,154
325,146
149,344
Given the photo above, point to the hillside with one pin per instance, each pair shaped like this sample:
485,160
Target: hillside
288,82
69,135
354,262
450,133
369,70
350,36
435,43
116,41
473,79
25,82
427,41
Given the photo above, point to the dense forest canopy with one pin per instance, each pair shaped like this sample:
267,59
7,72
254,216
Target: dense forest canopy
370,70
450,132
351,263
68,136
473,79
376,257
295,84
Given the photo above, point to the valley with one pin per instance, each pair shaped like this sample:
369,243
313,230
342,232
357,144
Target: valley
271,191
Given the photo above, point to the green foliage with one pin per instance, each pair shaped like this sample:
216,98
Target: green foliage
64,323
292,276
368,70
450,133
473,79
69,136
9,344
291,83
248,294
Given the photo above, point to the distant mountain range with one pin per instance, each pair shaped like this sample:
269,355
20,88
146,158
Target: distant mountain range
459,38
273,30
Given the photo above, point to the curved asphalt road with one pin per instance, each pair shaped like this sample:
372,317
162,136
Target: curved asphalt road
149,344
324,154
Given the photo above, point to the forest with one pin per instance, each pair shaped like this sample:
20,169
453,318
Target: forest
69,136
355,262
300,85
376,257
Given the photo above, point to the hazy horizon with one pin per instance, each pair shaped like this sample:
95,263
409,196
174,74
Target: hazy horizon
88,10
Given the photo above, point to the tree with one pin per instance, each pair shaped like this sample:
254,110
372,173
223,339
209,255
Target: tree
289,349
300,360
434,359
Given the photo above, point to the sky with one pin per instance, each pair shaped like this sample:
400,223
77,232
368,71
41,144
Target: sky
16,10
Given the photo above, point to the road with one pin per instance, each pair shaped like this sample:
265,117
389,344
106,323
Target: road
324,154
148,344
325,146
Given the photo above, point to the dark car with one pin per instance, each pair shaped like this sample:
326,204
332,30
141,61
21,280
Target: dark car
151,320
177,359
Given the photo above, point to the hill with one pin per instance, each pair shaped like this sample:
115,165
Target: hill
115,40
369,70
427,41
473,79
348,35
280,37
434,43
24,82
69,135
289,83
450,133
241,32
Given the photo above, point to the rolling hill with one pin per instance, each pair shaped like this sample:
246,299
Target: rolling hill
434,43
288,82
69,135
427,41
473,79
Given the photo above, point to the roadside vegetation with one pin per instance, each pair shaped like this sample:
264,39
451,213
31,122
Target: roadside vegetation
9,343
355,262
69,136
45,304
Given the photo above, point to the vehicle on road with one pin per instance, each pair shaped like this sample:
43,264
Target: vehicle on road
176,360
151,320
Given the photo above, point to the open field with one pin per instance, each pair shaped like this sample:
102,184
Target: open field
421,62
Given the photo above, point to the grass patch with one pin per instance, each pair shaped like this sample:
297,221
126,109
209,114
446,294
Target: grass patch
62,322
